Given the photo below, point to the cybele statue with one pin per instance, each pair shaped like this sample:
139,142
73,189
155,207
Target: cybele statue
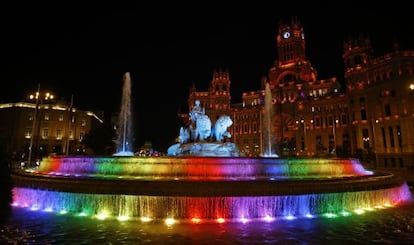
201,139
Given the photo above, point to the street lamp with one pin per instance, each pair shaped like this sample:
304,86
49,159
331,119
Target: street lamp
39,97
335,122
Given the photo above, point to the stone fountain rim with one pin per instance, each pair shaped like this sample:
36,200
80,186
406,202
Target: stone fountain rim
214,188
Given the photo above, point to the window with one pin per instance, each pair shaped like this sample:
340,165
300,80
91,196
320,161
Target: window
317,122
81,135
384,140
365,138
27,133
391,131
330,120
363,114
45,133
60,117
387,109
401,162
83,122
59,134
344,119
399,136
46,116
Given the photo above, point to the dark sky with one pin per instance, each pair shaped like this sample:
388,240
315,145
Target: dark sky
84,50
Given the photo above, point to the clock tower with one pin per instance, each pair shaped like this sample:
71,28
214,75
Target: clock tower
290,42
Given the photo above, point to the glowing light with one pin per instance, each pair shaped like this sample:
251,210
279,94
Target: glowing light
145,219
170,221
34,208
220,220
101,216
123,218
244,220
196,220
230,208
329,215
63,211
289,217
309,216
82,214
48,210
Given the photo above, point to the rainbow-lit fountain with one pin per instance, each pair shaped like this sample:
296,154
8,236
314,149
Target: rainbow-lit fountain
202,189
205,188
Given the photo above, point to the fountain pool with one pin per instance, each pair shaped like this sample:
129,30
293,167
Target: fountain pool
205,189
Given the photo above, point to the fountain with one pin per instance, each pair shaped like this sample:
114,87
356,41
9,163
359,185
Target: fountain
200,139
268,136
124,121
205,179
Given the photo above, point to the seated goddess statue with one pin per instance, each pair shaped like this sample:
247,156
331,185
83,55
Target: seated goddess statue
197,111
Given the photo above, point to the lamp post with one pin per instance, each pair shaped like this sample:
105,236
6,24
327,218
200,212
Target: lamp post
39,97
67,150
335,122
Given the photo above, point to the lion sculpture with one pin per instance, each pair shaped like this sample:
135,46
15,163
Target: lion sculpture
203,128
219,131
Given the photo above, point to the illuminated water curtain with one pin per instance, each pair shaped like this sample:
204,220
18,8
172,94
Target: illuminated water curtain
205,189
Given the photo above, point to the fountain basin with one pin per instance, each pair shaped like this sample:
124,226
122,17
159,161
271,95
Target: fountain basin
201,167
205,188
195,187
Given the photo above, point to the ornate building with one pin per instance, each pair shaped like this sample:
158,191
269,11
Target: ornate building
380,96
370,117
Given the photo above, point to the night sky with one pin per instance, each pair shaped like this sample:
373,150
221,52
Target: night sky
84,50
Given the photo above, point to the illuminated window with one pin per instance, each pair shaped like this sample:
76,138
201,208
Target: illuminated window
81,135
46,116
27,133
45,133
59,134
60,117
83,122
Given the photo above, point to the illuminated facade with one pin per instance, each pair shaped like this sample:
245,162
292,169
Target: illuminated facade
50,128
372,115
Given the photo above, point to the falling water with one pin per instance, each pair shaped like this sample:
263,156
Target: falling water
124,122
210,207
206,188
268,137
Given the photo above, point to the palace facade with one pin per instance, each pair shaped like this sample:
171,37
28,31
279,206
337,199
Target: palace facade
46,126
369,115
